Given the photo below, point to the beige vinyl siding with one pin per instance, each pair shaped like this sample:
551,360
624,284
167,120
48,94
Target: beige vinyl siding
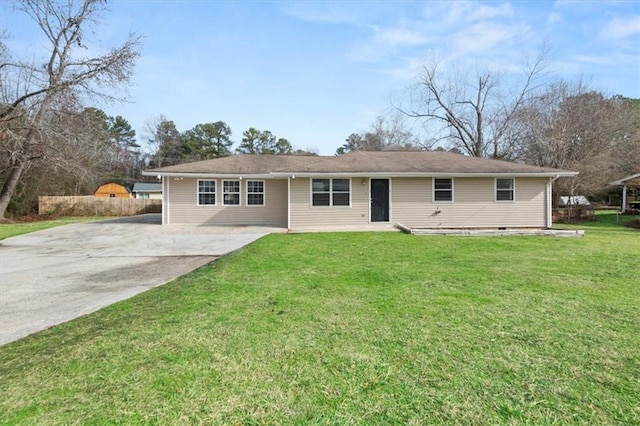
304,215
183,205
411,200
474,204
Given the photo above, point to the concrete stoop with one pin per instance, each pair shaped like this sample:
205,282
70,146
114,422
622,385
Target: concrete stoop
492,232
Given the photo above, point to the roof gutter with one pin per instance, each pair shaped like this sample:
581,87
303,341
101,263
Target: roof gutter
284,175
209,175
555,175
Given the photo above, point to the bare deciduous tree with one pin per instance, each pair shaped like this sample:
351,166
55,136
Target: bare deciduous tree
164,143
473,114
35,95
385,133
571,127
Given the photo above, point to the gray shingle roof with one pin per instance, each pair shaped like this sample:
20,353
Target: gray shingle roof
380,162
243,164
147,187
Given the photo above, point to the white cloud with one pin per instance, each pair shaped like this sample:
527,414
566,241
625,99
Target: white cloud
593,60
621,27
476,33
333,13
554,18
407,70
367,52
391,40
565,4
484,36
469,11
399,36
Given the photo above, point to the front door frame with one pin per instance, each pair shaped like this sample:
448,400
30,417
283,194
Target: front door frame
371,198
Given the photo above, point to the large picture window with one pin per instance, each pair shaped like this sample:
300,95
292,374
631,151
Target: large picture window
331,192
206,192
255,193
443,190
231,192
505,190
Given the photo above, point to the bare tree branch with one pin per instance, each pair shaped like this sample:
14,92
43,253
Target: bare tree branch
474,114
42,94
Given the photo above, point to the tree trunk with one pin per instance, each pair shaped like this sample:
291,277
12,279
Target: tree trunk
10,185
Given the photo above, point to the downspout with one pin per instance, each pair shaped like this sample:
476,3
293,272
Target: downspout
550,201
289,201
165,200
624,197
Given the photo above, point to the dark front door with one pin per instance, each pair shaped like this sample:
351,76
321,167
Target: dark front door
379,200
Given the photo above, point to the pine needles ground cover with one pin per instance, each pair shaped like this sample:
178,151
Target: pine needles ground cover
355,328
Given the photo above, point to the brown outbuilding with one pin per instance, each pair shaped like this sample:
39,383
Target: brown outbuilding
112,190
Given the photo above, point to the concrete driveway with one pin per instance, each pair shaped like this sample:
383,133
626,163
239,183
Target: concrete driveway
53,276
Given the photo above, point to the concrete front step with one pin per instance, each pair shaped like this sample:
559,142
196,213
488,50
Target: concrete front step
492,232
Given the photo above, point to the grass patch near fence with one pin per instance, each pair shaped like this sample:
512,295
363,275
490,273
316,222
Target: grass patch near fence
12,228
355,328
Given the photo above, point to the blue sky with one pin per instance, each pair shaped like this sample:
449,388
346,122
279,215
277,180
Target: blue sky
315,72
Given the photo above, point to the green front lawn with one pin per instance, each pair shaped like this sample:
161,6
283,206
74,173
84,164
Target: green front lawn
355,328
12,229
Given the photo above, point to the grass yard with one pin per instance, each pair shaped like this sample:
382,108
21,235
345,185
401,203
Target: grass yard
356,328
12,229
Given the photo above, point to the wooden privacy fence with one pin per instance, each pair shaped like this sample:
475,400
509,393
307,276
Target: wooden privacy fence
94,206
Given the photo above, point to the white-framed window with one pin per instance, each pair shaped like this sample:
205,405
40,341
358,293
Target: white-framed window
206,192
442,190
321,192
340,192
505,189
255,193
331,192
231,192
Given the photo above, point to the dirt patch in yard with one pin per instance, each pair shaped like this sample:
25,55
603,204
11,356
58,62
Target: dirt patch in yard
633,224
